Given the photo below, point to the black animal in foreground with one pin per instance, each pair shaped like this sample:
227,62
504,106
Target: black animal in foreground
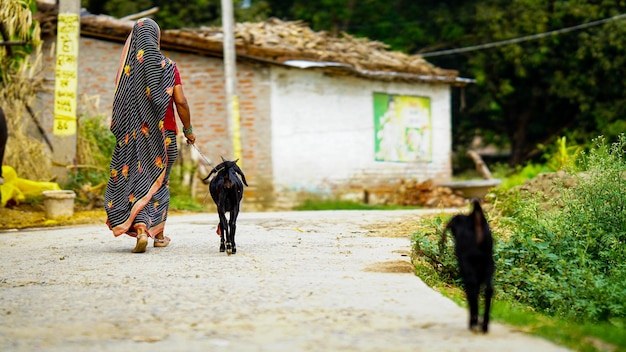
3,141
227,191
474,252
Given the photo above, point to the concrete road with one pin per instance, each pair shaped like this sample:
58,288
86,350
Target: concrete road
301,281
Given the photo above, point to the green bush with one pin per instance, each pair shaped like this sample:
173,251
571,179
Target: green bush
180,194
566,258
431,247
95,144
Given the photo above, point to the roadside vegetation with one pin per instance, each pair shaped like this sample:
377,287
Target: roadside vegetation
560,257
94,149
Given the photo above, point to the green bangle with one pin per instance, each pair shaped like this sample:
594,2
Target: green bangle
188,131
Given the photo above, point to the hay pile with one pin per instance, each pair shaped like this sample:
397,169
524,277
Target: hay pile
29,156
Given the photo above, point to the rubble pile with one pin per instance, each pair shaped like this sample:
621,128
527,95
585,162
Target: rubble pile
413,193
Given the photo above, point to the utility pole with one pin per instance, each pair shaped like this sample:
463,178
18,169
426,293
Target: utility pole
230,76
66,86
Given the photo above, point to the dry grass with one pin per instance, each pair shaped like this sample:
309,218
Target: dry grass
22,78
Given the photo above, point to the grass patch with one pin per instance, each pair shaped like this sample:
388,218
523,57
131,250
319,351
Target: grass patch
185,202
560,259
579,336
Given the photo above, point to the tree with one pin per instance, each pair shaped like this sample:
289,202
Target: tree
179,14
535,91
526,94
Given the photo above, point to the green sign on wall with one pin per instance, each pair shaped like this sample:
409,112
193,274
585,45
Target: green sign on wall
402,128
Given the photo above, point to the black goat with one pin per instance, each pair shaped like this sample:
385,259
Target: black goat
227,191
474,253
3,142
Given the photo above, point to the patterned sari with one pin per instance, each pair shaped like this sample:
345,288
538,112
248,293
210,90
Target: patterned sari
137,194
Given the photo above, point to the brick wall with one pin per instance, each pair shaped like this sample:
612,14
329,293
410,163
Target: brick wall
303,132
202,79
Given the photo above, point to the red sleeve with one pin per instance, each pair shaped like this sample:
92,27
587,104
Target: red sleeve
177,80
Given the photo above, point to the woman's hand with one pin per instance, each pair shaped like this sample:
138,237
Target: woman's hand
191,138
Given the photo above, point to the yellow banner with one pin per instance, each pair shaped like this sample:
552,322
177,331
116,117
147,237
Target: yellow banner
236,129
66,77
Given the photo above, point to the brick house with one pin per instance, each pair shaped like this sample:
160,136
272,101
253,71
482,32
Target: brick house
319,115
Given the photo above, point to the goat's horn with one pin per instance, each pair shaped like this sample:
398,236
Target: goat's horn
222,158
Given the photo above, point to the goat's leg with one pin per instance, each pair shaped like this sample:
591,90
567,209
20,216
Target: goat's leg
471,291
223,230
231,247
233,227
229,235
220,232
488,296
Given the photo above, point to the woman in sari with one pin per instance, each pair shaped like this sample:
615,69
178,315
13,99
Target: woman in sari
147,86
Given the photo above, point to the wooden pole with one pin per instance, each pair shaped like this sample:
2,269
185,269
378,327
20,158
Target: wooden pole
481,167
141,14
230,76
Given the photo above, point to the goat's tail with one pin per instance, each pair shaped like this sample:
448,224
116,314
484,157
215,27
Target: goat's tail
479,221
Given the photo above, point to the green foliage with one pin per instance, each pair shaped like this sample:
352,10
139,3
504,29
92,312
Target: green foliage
561,156
182,13
182,201
579,336
566,258
95,144
519,175
437,251
180,195
95,147
558,156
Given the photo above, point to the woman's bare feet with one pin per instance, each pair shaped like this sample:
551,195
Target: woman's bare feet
142,242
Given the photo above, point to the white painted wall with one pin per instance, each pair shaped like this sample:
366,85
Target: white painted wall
323,131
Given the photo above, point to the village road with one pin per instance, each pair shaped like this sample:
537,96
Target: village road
301,281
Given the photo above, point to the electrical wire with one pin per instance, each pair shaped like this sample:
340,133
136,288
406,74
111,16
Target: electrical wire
522,39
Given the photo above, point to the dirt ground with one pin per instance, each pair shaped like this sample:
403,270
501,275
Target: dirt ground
300,281
33,215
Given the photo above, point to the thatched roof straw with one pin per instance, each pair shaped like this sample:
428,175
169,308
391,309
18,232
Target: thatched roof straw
278,42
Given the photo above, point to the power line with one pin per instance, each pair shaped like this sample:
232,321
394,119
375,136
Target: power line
522,39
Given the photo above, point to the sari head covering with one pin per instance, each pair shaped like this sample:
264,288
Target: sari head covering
143,89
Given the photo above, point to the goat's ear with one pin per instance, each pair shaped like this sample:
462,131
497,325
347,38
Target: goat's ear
243,177
209,175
